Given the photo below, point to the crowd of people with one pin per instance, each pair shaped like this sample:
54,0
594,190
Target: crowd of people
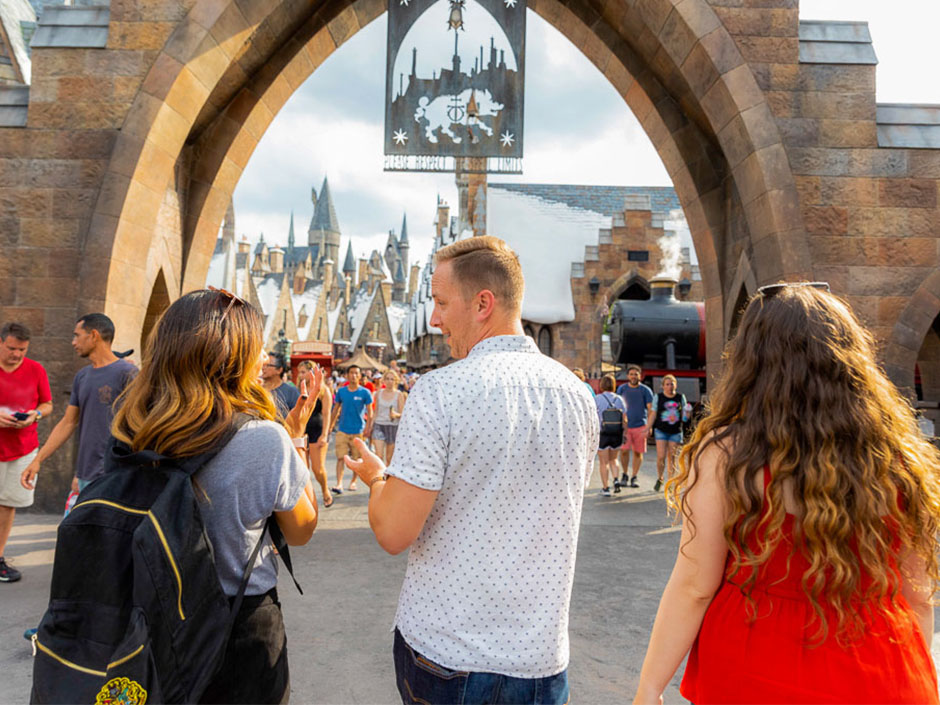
808,497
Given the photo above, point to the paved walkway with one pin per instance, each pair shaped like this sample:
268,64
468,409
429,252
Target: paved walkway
338,632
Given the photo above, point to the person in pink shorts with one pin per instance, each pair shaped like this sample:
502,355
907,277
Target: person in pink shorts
639,401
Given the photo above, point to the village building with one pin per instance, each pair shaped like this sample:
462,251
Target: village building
306,298
581,248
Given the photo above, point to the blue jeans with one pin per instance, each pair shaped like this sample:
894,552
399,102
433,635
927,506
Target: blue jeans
420,680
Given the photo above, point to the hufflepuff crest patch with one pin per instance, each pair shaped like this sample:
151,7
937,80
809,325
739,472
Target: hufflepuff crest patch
121,691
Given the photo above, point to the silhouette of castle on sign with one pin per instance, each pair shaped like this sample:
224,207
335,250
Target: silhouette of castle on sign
459,110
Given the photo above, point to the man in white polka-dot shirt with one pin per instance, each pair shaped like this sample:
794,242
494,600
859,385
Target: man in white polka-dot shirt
486,488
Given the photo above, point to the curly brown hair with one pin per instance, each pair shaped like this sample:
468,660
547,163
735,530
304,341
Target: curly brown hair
801,392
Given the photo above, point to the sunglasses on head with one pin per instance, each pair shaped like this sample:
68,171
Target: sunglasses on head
773,289
232,300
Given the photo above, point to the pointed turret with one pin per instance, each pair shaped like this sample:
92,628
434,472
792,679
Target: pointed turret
403,245
349,265
324,226
290,235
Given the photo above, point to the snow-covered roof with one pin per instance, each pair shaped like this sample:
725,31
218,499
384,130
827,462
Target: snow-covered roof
308,298
269,290
359,310
397,315
216,275
332,317
548,236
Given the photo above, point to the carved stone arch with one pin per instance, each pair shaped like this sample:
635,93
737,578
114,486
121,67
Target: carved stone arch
909,332
229,66
624,282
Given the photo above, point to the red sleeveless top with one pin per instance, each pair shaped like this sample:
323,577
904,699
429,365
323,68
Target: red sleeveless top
773,658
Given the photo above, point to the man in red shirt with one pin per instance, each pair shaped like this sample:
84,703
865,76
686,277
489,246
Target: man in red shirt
24,399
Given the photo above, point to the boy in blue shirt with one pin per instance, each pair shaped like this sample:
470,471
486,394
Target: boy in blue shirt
352,418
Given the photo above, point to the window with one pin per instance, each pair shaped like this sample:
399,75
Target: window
529,332
638,255
545,341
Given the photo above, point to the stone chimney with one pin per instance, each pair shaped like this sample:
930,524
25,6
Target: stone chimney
348,289
300,277
387,292
443,218
243,245
413,280
328,276
363,272
276,260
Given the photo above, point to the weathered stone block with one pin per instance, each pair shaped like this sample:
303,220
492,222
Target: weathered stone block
138,35
908,193
773,50
847,133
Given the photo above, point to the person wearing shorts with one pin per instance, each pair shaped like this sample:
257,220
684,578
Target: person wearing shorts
24,399
352,418
610,441
638,399
389,403
667,418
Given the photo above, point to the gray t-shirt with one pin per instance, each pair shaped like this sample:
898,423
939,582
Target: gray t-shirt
257,473
94,392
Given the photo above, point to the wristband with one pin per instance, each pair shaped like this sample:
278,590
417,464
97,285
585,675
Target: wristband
375,479
300,442
38,414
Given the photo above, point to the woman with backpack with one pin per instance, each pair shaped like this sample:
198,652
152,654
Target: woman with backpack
199,379
669,412
611,412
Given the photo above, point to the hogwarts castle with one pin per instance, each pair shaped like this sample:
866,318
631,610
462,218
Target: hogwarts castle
306,297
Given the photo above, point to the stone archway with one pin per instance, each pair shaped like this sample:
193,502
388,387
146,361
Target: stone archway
908,335
222,76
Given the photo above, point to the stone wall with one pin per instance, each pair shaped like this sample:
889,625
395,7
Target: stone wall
112,194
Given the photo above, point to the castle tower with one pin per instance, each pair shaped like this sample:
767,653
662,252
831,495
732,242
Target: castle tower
349,264
413,279
324,227
399,283
403,245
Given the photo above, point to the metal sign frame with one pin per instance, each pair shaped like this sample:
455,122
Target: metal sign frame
459,111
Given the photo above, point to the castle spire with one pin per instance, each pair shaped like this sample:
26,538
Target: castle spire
290,233
349,266
403,239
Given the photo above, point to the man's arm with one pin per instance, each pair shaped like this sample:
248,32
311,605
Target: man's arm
397,509
334,414
370,415
60,434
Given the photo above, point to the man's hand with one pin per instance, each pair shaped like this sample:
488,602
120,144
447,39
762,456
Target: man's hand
7,421
28,421
28,476
369,467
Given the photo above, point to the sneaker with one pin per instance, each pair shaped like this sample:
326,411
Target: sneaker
605,492
658,485
624,480
616,487
633,482
8,574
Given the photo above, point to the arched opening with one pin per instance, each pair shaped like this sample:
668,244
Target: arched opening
545,341
214,100
638,289
927,375
529,332
740,303
158,303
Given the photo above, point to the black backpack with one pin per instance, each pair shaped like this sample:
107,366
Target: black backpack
611,418
136,611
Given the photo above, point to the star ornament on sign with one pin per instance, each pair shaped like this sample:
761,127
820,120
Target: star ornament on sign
507,139
400,137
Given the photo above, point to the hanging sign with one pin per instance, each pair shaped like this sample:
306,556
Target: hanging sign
455,75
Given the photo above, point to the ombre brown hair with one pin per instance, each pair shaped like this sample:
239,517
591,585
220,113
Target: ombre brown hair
485,263
801,392
199,370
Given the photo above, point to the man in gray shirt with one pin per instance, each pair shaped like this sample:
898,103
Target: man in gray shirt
90,409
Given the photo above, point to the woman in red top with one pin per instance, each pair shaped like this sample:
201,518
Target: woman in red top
811,508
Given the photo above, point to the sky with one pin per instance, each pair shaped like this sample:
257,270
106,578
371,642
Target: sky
578,130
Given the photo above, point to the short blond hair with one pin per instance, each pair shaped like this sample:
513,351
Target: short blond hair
485,263
578,372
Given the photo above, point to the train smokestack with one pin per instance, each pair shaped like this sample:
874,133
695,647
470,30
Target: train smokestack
663,289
